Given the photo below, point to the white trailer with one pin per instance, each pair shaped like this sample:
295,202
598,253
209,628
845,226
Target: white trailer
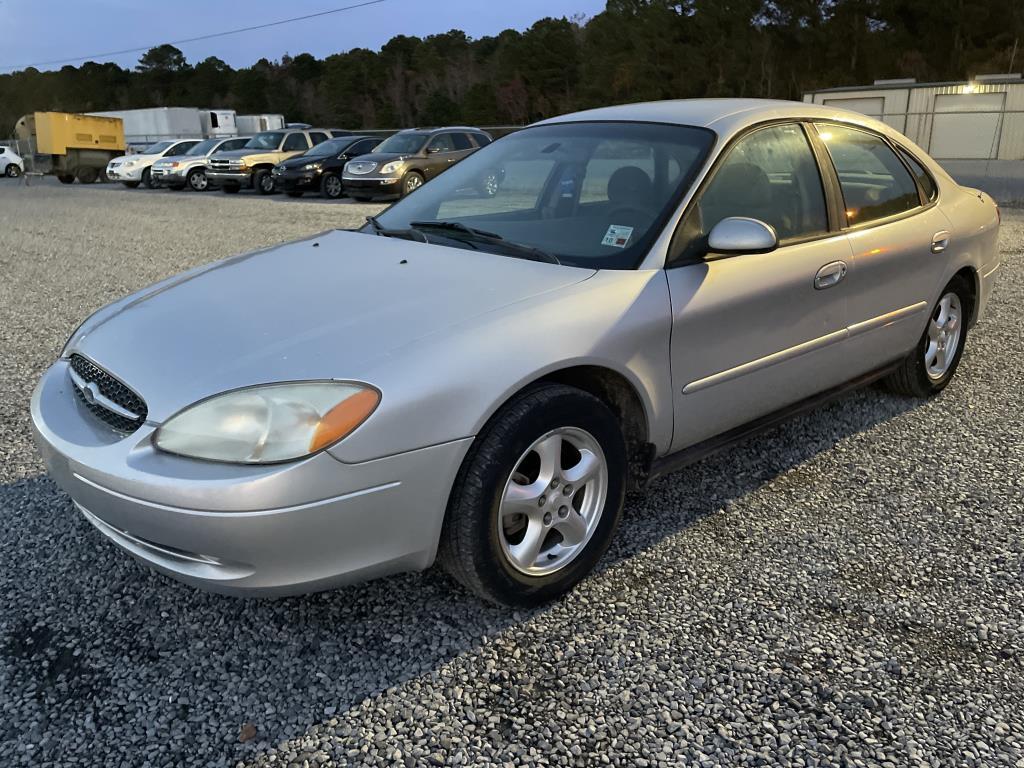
143,127
256,123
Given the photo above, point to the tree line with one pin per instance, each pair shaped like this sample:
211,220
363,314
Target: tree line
634,50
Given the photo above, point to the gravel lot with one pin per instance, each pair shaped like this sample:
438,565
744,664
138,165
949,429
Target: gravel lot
845,590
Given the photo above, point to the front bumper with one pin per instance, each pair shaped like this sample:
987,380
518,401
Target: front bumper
293,181
375,186
167,177
220,178
254,530
120,173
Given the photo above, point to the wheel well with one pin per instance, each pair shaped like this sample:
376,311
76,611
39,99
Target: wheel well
970,277
615,391
263,167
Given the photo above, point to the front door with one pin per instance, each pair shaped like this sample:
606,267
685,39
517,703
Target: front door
753,333
441,153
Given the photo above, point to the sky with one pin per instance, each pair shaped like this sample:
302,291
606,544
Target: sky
36,31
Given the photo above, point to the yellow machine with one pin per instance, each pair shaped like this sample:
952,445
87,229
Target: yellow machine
71,146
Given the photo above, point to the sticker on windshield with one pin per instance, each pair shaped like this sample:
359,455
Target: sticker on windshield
617,236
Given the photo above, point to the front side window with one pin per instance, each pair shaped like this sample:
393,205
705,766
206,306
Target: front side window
180,149
328,148
874,182
592,194
770,175
363,147
462,141
234,144
203,147
157,149
295,142
442,143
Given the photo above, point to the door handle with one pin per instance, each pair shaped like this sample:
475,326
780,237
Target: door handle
940,241
829,275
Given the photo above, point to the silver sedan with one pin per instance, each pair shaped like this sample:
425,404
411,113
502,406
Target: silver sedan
478,376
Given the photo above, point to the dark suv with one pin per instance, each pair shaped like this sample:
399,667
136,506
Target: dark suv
319,169
404,161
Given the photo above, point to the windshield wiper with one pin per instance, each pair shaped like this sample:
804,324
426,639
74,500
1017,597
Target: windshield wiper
471,234
405,234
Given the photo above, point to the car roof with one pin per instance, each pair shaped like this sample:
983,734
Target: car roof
724,116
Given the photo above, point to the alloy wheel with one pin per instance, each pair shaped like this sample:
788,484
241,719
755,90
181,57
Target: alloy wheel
552,502
412,183
198,181
332,186
945,330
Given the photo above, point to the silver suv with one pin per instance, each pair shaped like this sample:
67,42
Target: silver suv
189,170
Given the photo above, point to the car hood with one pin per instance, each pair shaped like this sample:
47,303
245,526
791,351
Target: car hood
301,160
326,307
133,158
382,157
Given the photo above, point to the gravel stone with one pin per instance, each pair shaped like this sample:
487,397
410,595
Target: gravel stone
845,590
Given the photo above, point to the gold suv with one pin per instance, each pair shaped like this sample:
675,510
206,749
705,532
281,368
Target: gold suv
250,166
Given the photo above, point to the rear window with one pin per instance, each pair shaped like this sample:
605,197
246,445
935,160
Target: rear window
924,179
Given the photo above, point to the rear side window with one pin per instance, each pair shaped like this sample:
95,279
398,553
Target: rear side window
482,139
317,137
461,141
295,141
924,179
875,183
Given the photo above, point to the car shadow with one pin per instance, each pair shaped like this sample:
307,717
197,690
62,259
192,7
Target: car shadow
91,640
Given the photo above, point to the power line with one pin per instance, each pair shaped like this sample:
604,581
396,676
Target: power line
195,39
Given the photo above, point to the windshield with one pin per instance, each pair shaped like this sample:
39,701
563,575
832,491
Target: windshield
268,140
403,143
203,147
328,148
590,194
156,149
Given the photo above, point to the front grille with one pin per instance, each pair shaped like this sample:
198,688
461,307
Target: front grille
361,167
225,165
114,391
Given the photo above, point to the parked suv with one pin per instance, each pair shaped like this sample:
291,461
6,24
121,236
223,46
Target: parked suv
189,170
319,169
404,161
250,166
135,169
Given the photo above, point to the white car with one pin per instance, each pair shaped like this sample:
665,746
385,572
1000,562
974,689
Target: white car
132,170
11,165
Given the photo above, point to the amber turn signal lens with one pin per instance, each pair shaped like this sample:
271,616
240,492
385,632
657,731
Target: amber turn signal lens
343,418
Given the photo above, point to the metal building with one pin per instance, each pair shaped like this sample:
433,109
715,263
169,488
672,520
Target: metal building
980,119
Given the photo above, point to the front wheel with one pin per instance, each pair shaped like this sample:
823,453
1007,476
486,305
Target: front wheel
930,367
331,187
12,171
263,182
537,498
197,180
147,179
411,182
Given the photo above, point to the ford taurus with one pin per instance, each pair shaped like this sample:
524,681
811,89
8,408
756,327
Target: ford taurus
479,377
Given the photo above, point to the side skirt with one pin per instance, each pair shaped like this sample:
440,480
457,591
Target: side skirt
694,453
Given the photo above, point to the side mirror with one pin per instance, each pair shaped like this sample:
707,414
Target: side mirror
738,234
433,150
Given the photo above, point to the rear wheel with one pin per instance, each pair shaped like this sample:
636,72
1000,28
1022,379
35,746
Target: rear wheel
86,175
331,187
197,180
931,366
537,498
263,182
12,171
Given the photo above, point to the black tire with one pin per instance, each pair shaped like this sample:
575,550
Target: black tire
412,181
12,171
86,175
263,182
470,549
294,193
131,184
147,179
231,189
66,178
197,180
912,378
331,187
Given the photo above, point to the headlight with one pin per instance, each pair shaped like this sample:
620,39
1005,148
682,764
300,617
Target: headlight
268,423
310,166
393,167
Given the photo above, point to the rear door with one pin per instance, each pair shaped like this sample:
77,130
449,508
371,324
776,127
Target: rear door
753,333
897,235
